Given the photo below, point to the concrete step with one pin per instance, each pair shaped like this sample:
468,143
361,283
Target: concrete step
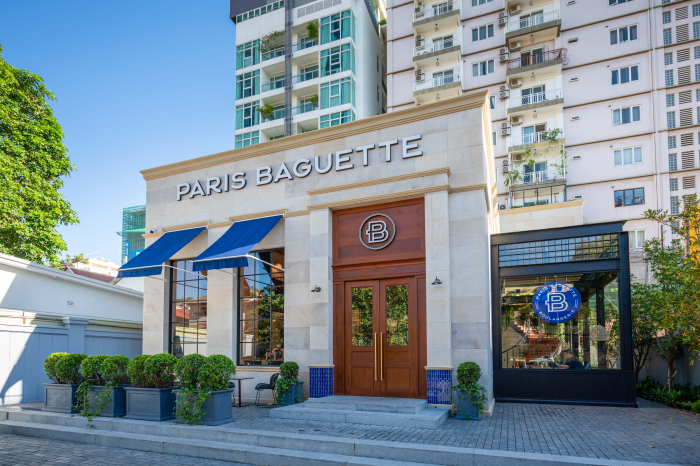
366,403
430,418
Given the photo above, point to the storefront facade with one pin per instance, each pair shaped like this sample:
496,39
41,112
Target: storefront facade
361,251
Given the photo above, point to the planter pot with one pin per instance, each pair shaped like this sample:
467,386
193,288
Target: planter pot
60,398
216,409
115,407
464,409
150,404
290,398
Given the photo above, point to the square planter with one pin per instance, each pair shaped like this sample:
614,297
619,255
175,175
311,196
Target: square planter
290,397
116,407
150,404
216,409
60,398
464,409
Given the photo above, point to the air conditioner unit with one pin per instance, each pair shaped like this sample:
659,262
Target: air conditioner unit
501,14
515,11
420,75
501,207
506,168
504,50
516,120
505,125
419,40
505,131
504,95
516,83
503,88
502,21
515,46
503,57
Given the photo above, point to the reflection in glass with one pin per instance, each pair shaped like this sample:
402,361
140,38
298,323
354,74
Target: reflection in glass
397,315
591,340
362,316
188,310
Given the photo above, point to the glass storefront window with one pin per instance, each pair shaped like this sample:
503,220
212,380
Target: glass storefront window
261,310
589,340
188,310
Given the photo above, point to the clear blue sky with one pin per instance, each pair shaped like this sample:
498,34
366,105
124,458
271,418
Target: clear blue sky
139,84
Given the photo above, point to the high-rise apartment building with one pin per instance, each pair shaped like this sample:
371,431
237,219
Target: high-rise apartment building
611,83
303,65
133,227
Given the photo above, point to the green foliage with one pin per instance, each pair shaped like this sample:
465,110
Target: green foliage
696,407
33,166
551,137
50,367
289,370
312,29
159,370
113,369
187,370
683,396
314,99
215,374
266,111
468,375
269,40
136,371
101,370
382,21
397,315
91,369
644,323
80,257
289,373
190,399
362,328
67,368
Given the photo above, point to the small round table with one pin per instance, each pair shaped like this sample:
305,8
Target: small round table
238,379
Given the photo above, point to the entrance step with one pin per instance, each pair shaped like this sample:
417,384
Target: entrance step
390,412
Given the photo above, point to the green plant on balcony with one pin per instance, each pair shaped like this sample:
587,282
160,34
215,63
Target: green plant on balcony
314,99
382,21
312,29
269,40
266,111
551,137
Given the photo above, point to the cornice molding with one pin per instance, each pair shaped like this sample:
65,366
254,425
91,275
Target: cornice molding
269,213
536,208
388,179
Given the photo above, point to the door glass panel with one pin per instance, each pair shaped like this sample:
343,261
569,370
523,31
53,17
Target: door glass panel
362,325
397,315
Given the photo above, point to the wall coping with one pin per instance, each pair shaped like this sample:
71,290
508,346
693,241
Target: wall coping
536,208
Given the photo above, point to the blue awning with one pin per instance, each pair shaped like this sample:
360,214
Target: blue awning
151,260
231,249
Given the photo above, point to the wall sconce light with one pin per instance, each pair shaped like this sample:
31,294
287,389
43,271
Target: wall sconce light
437,281
534,115
437,98
437,62
532,78
436,28
316,289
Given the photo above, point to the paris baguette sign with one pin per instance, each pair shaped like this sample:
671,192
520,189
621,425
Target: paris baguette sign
556,302
342,160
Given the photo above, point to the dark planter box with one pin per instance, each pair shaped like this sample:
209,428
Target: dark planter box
150,404
60,398
464,409
116,407
216,409
290,397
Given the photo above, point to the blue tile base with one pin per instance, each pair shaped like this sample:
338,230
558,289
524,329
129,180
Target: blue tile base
321,382
439,383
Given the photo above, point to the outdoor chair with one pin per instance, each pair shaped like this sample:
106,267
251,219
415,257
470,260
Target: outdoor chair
259,388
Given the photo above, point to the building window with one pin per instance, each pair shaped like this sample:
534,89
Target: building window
260,11
622,35
247,115
696,30
666,16
337,59
247,139
675,203
697,95
671,142
495,139
261,310
629,197
482,32
671,120
628,156
667,36
624,115
669,78
672,162
673,184
337,118
188,310
248,84
668,58
696,9
482,68
480,2
337,26
637,238
564,250
338,92
247,54
670,100
625,75
493,102
697,73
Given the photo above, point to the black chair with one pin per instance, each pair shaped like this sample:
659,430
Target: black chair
259,388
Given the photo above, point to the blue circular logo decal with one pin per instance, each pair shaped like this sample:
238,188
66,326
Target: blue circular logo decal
556,302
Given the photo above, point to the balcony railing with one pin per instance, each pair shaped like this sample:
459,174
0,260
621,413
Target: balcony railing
551,174
272,85
535,98
274,53
277,114
306,76
428,11
531,138
307,44
532,20
436,46
534,59
422,84
305,108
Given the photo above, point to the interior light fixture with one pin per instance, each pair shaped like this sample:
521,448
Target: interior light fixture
437,281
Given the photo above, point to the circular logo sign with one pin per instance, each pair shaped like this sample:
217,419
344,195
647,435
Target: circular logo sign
377,231
556,302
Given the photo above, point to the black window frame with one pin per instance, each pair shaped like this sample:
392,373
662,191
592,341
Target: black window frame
624,198
171,285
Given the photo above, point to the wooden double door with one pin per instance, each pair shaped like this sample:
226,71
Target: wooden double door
381,337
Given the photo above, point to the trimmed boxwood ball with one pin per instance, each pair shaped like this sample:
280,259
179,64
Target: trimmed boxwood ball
187,370
289,370
468,373
67,368
91,369
159,370
50,367
216,372
136,371
113,368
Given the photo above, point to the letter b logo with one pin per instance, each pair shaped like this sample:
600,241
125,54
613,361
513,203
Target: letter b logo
377,231
556,302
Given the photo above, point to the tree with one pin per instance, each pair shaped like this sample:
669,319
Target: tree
80,257
33,164
644,328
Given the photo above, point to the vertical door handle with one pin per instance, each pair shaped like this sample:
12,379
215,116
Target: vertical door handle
375,357
381,355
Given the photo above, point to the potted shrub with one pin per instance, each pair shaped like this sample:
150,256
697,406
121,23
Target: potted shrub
288,389
151,397
63,369
100,394
470,399
204,396
266,111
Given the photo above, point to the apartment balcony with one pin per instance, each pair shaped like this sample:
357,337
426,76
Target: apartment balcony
304,46
274,86
552,60
305,80
542,26
305,116
272,54
552,101
441,15
549,177
444,48
539,140
448,84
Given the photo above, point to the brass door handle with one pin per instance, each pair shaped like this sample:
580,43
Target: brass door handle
375,357
381,355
